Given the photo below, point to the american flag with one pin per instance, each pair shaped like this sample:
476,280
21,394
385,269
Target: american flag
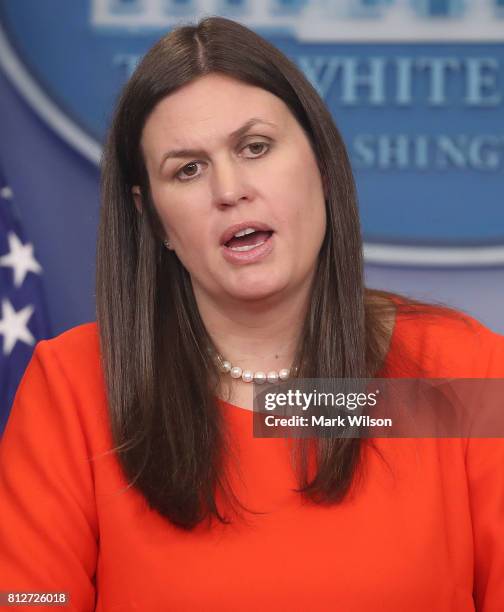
23,313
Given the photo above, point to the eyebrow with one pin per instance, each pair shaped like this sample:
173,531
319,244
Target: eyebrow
235,135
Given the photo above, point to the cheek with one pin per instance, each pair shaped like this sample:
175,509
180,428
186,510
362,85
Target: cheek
302,174
163,205
175,214
305,197
185,223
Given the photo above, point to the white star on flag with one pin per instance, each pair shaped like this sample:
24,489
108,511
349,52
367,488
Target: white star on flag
6,193
13,326
20,258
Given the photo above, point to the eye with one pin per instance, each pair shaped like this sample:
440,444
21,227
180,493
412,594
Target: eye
257,148
188,171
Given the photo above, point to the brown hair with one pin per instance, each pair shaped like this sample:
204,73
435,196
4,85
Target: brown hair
170,438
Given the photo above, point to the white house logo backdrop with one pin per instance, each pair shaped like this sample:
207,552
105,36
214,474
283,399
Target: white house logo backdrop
416,87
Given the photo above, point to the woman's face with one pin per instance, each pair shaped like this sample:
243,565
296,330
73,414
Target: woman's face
224,156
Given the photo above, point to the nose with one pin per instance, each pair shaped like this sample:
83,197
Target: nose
229,185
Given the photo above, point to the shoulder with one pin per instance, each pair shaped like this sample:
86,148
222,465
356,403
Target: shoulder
77,346
74,357
438,341
63,390
77,341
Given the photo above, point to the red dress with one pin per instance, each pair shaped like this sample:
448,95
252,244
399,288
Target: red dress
423,532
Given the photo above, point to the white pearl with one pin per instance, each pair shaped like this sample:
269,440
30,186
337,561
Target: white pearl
236,372
272,376
260,377
225,366
247,376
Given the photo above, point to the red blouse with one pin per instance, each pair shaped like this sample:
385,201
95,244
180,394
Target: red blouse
424,531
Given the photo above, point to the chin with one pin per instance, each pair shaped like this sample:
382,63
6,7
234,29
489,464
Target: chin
257,290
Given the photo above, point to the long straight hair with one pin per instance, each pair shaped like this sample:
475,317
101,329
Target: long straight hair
167,428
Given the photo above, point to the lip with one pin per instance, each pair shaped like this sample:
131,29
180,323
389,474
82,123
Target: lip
232,229
248,257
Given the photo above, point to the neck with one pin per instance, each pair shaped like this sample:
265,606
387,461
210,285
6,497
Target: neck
255,335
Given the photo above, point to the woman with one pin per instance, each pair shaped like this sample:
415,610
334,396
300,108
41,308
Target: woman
230,244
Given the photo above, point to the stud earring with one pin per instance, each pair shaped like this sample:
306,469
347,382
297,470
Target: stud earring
166,243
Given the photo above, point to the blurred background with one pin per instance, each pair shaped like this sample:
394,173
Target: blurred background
415,86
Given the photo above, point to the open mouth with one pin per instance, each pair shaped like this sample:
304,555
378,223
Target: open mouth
248,239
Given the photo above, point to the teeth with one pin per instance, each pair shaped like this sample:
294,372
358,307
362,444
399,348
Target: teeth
247,247
244,232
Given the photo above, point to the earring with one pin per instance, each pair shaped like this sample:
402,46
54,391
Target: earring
166,243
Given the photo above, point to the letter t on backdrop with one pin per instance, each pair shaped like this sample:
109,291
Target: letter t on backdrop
23,312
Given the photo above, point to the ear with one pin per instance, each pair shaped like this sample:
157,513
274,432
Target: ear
137,196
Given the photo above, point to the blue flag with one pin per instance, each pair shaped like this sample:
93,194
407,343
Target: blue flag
23,313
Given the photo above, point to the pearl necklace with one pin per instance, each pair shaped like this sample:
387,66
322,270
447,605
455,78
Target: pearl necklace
259,377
